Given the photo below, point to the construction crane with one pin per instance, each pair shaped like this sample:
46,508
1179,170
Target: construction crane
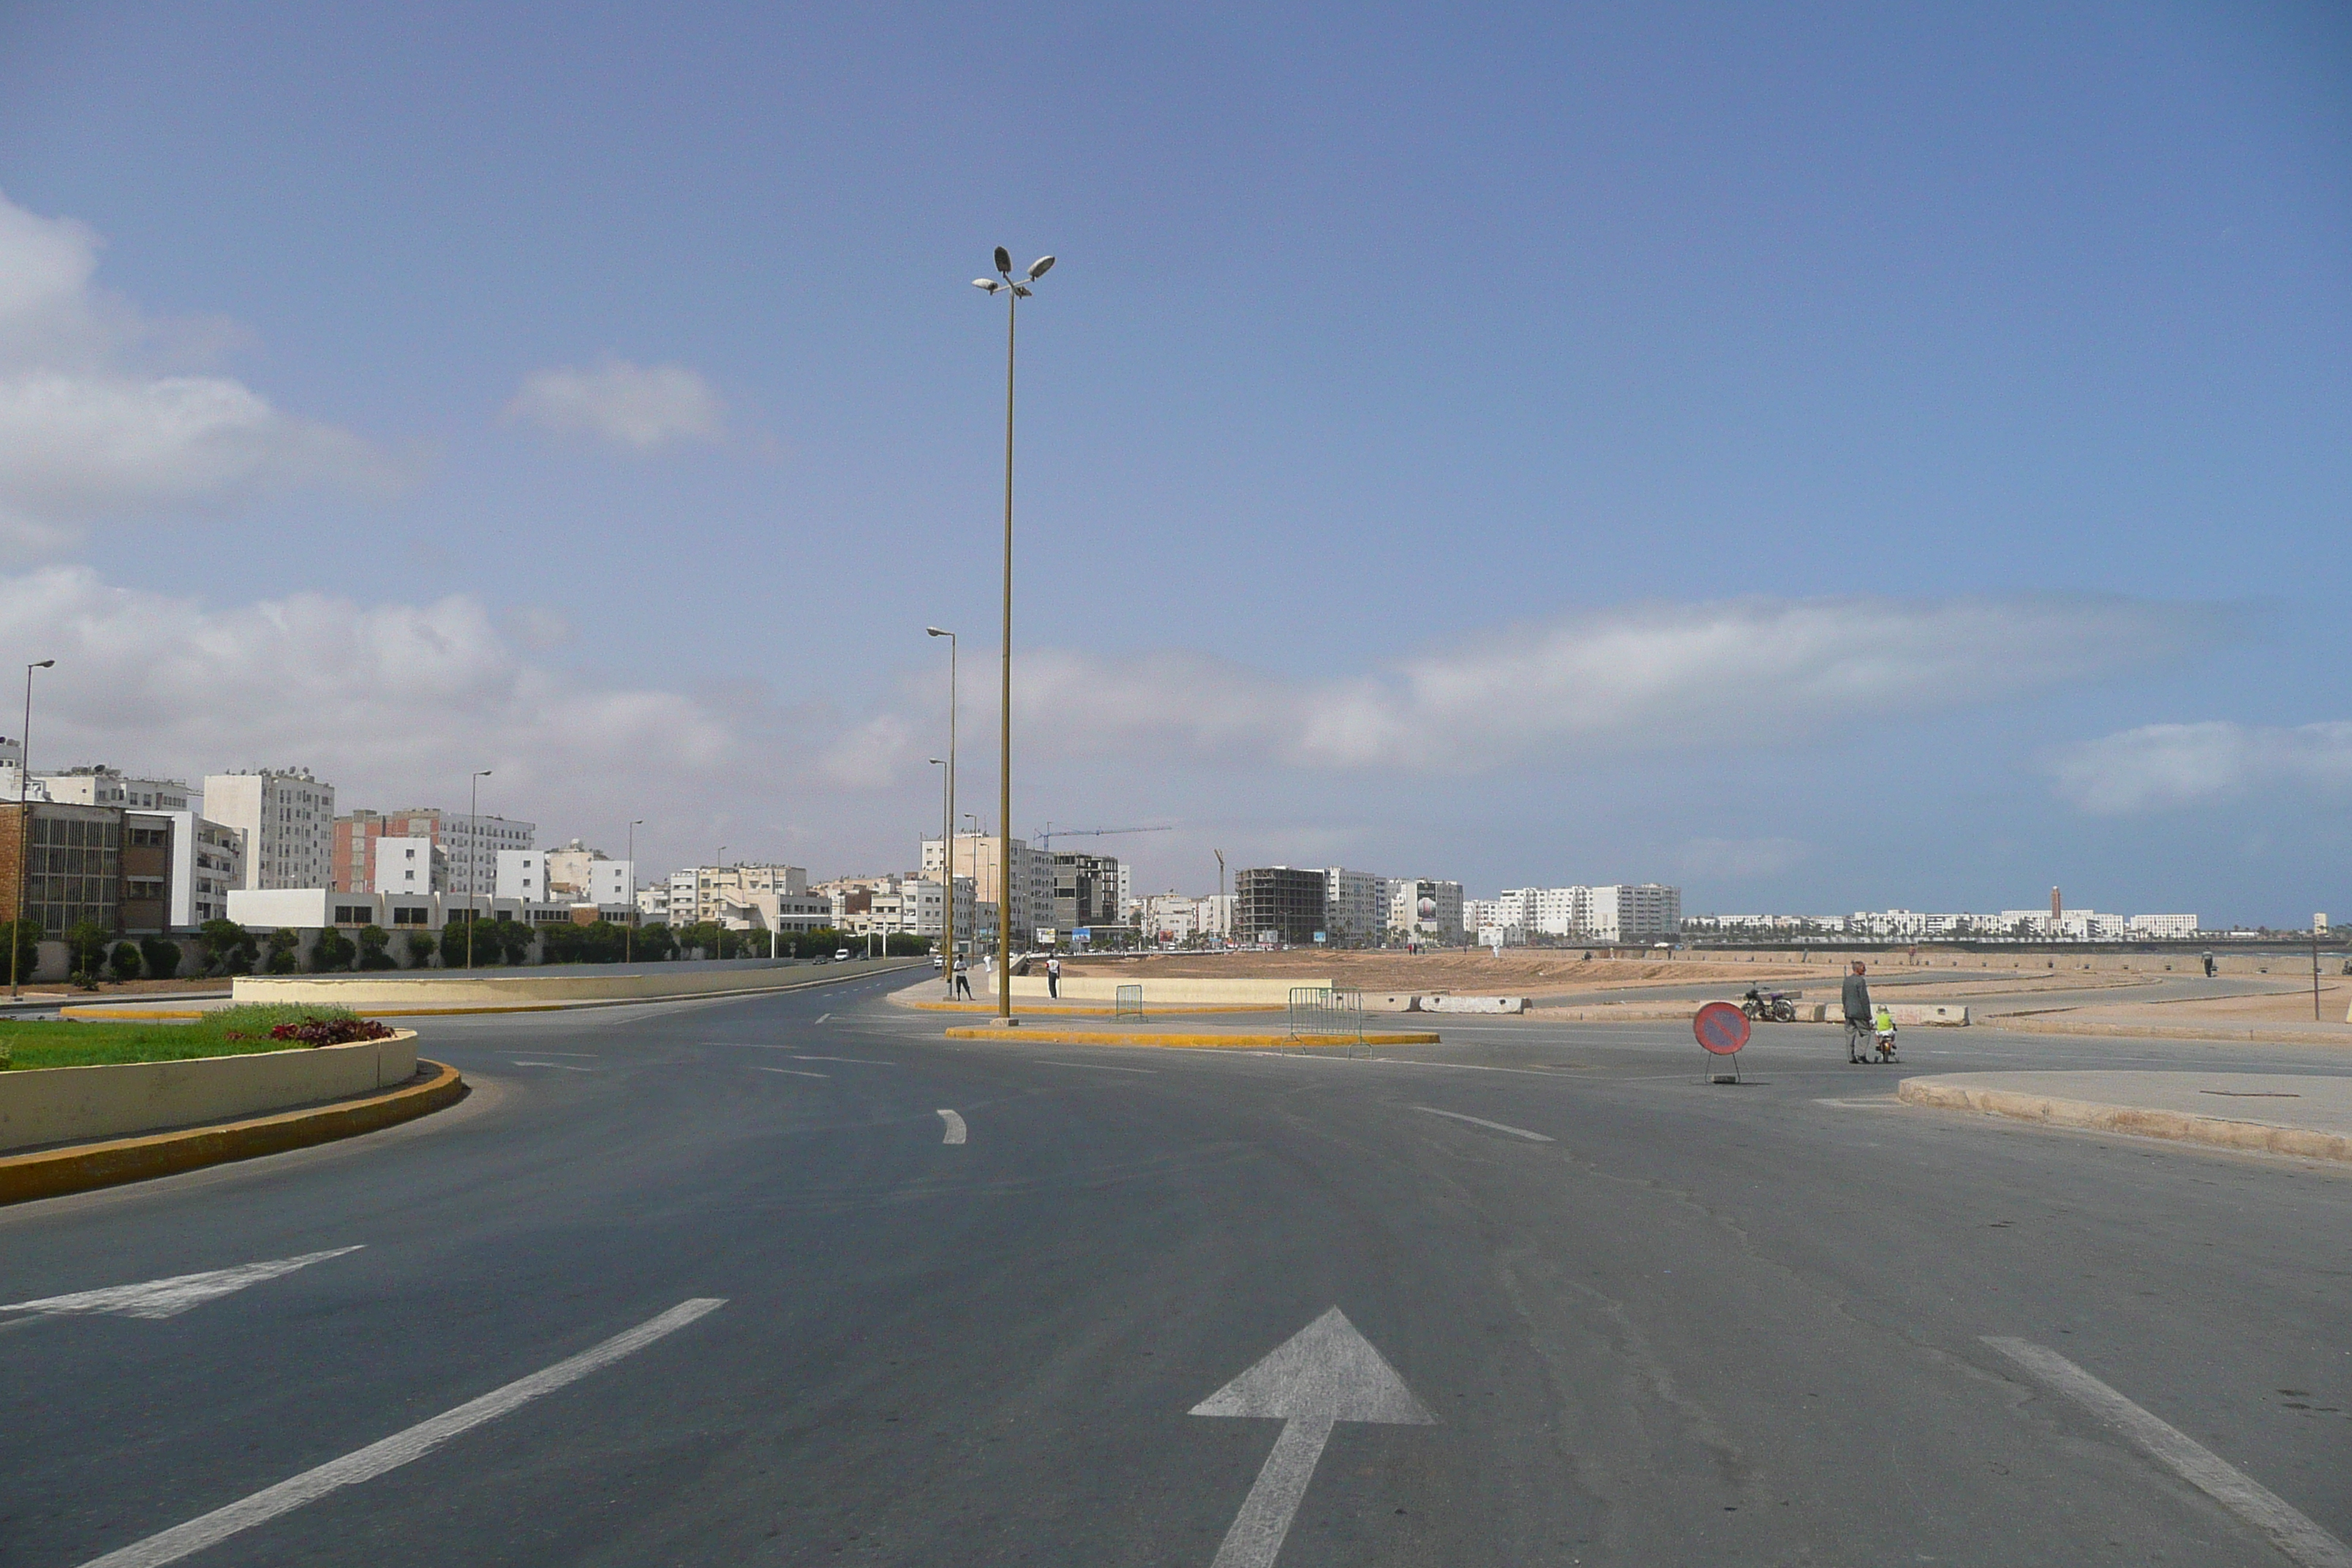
1045,839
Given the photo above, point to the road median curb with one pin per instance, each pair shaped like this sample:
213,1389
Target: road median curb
52,1172
2139,1120
125,1015
1235,1041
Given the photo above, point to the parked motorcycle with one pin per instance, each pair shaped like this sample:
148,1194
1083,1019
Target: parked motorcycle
1770,1007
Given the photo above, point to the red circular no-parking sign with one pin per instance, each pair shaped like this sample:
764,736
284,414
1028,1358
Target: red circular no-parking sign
1720,1027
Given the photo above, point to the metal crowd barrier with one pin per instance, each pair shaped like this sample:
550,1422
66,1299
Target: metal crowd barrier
1320,1015
1128,1002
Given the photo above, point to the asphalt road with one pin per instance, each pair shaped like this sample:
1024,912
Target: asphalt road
1699,1324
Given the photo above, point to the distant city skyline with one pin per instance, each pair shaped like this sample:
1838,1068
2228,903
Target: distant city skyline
1829,458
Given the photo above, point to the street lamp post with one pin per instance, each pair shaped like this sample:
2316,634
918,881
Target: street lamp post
1014,294
23,820
629,927
947,833
473,857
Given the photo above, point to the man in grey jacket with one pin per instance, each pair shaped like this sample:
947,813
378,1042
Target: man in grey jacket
1858,1027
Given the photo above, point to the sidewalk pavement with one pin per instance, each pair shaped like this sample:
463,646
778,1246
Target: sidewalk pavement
2281,1113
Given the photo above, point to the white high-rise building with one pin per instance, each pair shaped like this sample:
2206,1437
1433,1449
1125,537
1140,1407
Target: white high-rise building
1424,907
206,863
288,817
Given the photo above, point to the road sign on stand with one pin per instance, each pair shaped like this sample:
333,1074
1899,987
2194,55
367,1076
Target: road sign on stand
1722,1029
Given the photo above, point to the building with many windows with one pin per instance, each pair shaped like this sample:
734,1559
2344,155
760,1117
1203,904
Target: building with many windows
86,865
288,817
1279,904
468,847
1355,906
1424,908
207,860
1030,883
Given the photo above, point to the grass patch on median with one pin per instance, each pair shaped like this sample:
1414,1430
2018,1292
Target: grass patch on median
230,1032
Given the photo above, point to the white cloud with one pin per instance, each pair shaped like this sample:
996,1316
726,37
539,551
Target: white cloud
633,405
88,435
2158,766
395,704
1642,678
1732,860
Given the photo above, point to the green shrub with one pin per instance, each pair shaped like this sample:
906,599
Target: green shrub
373,939
124,961
86,948
333,951
228,948
27,935
162,956
420,948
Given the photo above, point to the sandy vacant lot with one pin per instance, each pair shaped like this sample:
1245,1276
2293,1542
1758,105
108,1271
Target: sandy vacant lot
1521,970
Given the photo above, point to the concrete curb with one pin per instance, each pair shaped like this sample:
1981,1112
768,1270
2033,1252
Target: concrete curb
2310,1035
1237,1042
128,1017
53,1173
1035,1010
2138,1121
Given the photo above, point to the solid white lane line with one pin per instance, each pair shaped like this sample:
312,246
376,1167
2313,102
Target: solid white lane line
861,1061
792,1072
559,1067
396,1450
170,1298
1482,1121
954,1133
1090,1067
2288,1529
821,1017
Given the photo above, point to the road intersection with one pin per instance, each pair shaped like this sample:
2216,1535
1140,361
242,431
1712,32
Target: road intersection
975,1295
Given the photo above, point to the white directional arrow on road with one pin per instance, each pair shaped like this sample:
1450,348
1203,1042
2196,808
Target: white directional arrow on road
1324,1373
170,1298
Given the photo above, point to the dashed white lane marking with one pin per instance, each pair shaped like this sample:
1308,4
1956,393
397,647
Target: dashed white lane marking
396,1450
954,1133
1090,1067
1888,1102
559,1067
821,1017
1482,1121
861,1061
170,1298
792,1072
2288,1529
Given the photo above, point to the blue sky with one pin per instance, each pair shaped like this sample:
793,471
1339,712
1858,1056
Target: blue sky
1829,457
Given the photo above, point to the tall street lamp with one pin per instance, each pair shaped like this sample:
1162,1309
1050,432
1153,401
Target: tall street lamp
473,857
1014,292
947,833
23,820
629,927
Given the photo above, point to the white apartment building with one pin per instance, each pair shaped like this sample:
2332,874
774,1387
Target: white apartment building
1356,905
406,866
102,785
1032,881
1424,907
732,895
470,847
894,906
206,863
523,874
653,904
288,817
1618,912
2162,928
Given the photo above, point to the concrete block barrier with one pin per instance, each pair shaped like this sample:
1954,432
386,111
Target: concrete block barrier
72,1105
1907,1015
1167,990
1473,1005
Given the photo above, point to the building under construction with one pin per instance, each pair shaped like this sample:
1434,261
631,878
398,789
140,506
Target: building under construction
1277,901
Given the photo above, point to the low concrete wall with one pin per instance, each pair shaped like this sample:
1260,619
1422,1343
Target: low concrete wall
1473,1005
62,1105
1907,1015
1105,988
438,989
